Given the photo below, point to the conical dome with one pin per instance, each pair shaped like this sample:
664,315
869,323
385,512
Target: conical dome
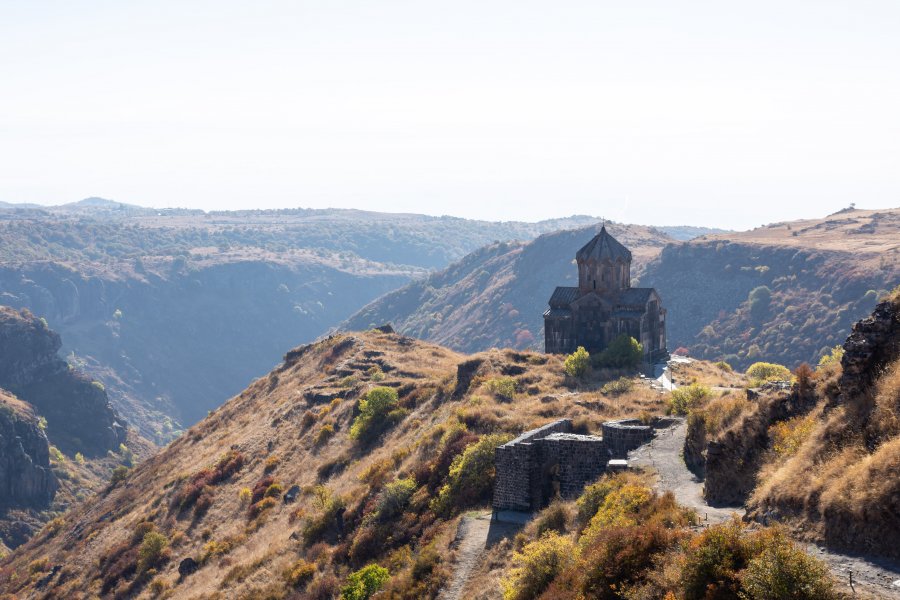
603,247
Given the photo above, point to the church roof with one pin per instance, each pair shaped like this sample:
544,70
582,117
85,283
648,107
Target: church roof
634,296
563,296
603,247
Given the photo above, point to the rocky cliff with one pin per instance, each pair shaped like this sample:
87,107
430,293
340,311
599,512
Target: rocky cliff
26,479
77,410
871,346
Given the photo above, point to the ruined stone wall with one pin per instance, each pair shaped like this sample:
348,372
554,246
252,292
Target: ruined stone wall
573,461
625,435
539,464
515,464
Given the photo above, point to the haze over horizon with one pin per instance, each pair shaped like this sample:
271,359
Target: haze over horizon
697,114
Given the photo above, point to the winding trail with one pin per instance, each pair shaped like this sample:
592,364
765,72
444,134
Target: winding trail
664,454
471,540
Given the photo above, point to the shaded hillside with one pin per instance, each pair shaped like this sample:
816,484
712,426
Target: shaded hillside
77,410
495,297
786,292
59,439
176,310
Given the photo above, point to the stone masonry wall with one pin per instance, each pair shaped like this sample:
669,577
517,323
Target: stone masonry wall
539,464
625,435
515,463
571,461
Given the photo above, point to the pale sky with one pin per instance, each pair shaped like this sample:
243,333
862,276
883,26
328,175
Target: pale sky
717,113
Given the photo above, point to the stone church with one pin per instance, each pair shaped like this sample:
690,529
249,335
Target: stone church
604,305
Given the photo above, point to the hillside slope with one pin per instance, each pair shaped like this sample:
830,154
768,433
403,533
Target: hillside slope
495,296
293,428
787,292
815,278
176,310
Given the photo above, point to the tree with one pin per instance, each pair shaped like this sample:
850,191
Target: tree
624,352
577,363
759,299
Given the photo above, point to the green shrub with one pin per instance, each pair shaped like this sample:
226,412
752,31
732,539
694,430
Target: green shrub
759,300
325,433
502,387
761,372
56,455
577,363
394,498
712,562
832,357
378,410
782,571
328,506
688,398
299,573
593,496
362,584
724,366
471,475
537,565
119,474
153,551
621,385
552,518
624,352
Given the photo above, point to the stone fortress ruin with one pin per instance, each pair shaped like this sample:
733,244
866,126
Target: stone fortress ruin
552,461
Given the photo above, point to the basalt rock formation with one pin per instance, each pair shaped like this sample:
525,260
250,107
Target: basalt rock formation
26,479
871,346
78,412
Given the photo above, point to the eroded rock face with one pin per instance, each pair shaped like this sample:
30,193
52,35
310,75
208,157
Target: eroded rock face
873,343
79,415
26,479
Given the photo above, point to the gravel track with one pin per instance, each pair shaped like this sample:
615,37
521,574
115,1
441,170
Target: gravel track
663,454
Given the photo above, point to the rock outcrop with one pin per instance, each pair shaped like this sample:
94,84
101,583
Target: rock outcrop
79,415
873,343
26,479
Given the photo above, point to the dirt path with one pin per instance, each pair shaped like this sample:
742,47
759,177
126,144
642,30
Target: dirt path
471,539
664,455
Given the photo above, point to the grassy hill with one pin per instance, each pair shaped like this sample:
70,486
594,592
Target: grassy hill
382,479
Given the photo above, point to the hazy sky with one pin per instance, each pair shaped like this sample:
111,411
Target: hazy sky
716,113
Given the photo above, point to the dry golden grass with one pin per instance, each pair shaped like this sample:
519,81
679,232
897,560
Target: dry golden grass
842,481
870,234
708,374
280,416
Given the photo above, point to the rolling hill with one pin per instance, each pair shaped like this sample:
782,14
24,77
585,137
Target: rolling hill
812,278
